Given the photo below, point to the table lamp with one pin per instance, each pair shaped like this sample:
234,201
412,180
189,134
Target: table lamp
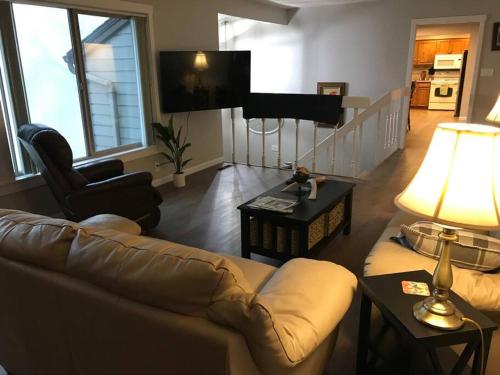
457,185
494,115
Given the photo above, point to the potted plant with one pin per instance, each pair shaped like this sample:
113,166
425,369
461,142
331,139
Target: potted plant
175,148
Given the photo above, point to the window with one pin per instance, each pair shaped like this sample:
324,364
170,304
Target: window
43,38
8,117
79,73
111,71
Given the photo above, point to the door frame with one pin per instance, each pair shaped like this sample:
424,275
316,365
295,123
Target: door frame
481,20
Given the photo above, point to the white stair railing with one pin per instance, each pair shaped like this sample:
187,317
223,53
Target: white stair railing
343,146
389,128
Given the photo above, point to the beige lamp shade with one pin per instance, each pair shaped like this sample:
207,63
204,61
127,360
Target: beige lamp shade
200,61
494,115
458,183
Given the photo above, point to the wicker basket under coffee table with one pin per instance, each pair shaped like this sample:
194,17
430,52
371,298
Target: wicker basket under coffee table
286,236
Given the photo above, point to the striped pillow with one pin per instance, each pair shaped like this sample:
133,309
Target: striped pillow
473,251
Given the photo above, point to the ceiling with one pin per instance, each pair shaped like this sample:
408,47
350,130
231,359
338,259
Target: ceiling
311,3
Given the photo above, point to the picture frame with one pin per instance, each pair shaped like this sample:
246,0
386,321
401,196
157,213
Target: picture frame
332,88
495,39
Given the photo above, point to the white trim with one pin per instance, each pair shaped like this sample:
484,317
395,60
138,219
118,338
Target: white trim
197,168
125,156
152,68
443,36
481,19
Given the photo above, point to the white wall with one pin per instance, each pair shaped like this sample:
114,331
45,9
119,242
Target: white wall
367,44
364,44
193,25
277,67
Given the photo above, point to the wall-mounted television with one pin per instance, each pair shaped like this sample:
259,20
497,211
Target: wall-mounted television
203,80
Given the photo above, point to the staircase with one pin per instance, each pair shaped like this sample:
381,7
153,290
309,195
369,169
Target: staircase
373,133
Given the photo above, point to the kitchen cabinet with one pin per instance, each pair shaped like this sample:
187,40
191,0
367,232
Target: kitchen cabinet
458,45
426,50
420,97
443,47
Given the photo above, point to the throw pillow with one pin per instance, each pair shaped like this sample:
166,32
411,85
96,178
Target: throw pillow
472,250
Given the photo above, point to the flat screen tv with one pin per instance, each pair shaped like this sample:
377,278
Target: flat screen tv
203,80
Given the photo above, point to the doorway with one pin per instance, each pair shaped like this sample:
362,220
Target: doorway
443,67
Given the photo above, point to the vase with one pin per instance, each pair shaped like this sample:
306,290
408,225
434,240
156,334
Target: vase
179,180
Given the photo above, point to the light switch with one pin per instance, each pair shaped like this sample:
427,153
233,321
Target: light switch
487,72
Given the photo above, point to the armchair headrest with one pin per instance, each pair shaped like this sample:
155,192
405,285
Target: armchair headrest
48,141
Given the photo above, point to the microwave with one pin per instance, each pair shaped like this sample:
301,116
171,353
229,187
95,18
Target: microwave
448,62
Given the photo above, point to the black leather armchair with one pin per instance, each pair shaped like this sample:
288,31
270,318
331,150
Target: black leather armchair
90,189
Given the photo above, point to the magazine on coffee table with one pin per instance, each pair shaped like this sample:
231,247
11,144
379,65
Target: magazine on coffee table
274,204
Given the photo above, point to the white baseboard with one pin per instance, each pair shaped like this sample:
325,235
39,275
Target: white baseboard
197,168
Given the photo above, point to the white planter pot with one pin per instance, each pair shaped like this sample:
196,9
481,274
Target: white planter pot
179,180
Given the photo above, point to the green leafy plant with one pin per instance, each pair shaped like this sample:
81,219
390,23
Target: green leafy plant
172,140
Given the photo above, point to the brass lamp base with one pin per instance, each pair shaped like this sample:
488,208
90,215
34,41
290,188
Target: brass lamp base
438,314
437,310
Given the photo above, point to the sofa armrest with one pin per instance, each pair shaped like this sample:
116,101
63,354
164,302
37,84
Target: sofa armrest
101,170
298,308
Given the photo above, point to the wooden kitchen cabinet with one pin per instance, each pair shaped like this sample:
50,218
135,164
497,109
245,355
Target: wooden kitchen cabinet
426,50
420,97
443,47
458,45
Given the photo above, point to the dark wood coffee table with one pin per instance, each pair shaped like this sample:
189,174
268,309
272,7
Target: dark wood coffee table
285,236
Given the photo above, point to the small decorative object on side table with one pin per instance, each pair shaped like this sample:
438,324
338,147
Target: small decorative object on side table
386,293
301,179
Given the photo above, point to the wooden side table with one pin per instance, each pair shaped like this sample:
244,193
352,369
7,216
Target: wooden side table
396,307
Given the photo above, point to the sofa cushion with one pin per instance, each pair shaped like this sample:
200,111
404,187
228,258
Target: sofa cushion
472,250
481,290
35,239
159,273
257,274
109,221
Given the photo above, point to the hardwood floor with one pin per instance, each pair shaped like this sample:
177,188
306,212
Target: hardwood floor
204,215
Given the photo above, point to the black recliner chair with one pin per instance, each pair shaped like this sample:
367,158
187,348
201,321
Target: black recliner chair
94,188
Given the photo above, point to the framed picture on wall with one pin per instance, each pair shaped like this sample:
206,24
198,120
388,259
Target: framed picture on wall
332,88
495,45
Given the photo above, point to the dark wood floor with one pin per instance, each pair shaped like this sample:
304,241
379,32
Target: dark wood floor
204,214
